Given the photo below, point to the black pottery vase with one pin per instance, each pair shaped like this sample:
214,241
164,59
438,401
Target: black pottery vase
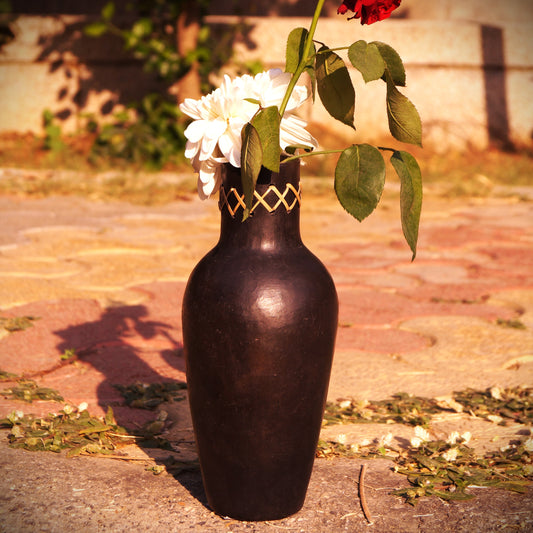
259,325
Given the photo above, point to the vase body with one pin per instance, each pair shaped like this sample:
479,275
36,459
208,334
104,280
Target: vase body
259,325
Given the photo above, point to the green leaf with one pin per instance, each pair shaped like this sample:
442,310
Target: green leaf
251,161
266,121
404,121
108,11
359,179
109,416
294,55
410,176
367,59
142,27
458,495
75,452
393,61
95,29
295,49
335,86
312,76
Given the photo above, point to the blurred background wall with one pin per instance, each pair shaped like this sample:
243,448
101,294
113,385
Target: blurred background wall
469,65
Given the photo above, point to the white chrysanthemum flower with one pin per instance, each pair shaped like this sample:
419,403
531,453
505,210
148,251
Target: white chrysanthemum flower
528,445
82,407
451,454
214,137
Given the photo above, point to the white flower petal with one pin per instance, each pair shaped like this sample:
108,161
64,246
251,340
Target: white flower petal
196,130
208,178
450,455
416,442
466,436
292,131
230,145
209,142
190,108
422,433
191,149
453,438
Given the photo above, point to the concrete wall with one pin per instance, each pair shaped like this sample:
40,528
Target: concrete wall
469,68
470,82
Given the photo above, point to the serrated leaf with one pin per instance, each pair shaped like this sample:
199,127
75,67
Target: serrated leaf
367,59
393,61
410,176
251,161
404,121
359,179
295,49
335,86
294,55
108,11
266,121
95,29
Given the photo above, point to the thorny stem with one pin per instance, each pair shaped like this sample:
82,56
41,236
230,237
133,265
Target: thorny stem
303,60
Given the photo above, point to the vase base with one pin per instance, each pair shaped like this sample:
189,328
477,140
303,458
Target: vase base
256,515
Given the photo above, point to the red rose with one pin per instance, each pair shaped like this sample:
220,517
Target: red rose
369,11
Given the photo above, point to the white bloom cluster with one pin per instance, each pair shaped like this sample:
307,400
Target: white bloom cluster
214,137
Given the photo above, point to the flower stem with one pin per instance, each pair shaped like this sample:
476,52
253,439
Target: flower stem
303,60
309,154
333,49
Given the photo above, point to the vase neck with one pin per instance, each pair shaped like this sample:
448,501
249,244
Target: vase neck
274,222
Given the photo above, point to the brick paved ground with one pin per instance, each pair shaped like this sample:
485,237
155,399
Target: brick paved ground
106,279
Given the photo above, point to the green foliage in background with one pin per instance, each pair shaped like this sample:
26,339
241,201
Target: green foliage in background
151,37
154,134
6,23
149,133
52,132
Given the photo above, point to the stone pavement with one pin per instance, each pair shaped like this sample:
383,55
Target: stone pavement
106,280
